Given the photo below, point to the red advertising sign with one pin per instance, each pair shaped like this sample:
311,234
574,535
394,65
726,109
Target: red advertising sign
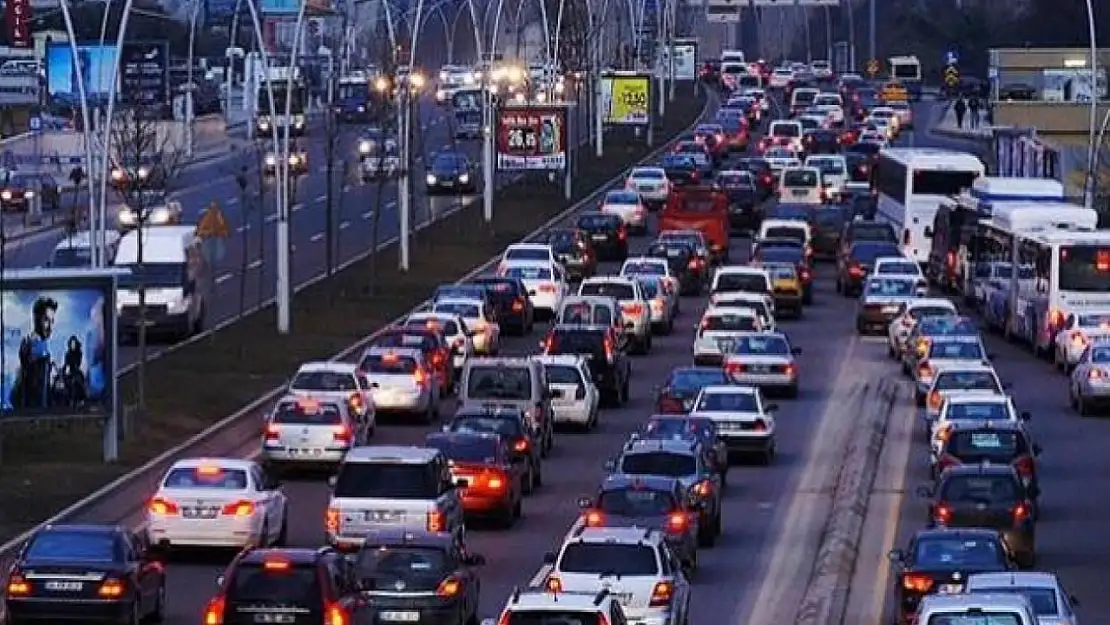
532,137
18,17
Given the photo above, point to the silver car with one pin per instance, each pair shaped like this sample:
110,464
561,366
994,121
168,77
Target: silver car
944,352
662,299
765,360
1089,388
634,307
1052,604
574,396
402,381
310,432
341,382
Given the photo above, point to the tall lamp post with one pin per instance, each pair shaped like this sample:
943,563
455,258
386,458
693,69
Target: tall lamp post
1093,147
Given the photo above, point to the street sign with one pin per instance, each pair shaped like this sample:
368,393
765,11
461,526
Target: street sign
36,124
724,10
951,58
951,75
873,67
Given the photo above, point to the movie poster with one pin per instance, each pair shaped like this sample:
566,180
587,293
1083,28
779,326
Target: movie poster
55,351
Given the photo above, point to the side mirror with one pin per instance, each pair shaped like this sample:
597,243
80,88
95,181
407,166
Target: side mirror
332,481
896,556
1037,449
796,350
475,559
929,232
1026,416
610,465
925,492
771,408
585,502
549,558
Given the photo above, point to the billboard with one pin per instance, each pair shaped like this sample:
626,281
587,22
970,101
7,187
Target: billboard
95,63
685,55
292,7
625,99
531,137
17,17
58,348
144,73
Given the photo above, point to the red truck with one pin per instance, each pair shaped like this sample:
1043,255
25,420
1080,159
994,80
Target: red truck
699,207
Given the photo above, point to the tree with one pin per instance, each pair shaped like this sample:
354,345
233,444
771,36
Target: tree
383,115
331,147
147,157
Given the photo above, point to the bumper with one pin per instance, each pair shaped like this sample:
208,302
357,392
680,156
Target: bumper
220,532
486,505
765,380
545,301
390,611
76,610
1095,392
484,343
291,455
578,412
740,443
402,401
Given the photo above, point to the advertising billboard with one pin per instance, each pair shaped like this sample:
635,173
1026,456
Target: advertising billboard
144,73
17,17
625,99
292,7
95,63
58,348
685,55
531,137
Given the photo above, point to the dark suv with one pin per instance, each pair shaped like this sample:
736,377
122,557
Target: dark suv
510,299
609,365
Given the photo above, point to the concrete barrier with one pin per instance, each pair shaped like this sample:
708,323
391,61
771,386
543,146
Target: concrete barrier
826,594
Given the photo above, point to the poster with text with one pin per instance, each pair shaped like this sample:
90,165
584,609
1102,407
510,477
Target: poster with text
685,61
144,73
17,18
625,99
95,66
531,137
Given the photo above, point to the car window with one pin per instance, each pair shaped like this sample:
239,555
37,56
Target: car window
324,381
495,382
728,402
966,381
636,502
957,552
800,178
659,463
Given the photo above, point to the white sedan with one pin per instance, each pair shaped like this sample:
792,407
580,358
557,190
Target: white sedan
1080,330
480,322
217,502
651,183
546,283
629,207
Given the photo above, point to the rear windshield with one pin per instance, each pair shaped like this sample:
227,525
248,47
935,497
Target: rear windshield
388,364
506,383
202,477
659,463
957,552
651,269
692,380
613,559
636,502
1043,599
562,374
577,342
482,424
479,450
864,231
727,402
800,178
462,309
387,480
988,489
726,322
449,328
868,252
70,546
966,381
768,345
650,287
586,313
890,288
615,290
989,443
947,324
978,411
922,312
528,273
956,350
785,130
736,180
291,585
413,340
326,381
830,218
557,617
754,283
899,268
982,618
598,222
648,174
307,413
622,197
527,253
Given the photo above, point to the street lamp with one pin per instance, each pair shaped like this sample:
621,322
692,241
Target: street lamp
1092,152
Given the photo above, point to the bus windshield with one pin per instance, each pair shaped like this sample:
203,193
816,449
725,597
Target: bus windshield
1085,268
906,71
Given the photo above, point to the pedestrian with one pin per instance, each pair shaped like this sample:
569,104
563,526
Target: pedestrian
973,108
960,109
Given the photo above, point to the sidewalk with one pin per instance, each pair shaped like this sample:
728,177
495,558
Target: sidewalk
946,126
18,226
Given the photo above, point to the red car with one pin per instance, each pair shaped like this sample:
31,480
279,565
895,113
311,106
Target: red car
429,340
713,136
490,484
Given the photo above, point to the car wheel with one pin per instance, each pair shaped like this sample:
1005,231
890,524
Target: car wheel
1081,406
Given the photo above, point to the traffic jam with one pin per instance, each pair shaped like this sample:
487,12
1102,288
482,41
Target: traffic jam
711,259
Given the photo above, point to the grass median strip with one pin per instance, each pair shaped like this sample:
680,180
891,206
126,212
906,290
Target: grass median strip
46,469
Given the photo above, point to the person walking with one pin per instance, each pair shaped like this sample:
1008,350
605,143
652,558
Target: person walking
960,108
973,107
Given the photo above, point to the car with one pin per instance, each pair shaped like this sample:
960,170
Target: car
427,574
298,163
944,352
775,229
482,467
307,432
510,424
452,172
765,360
713,138
788,288
574,250
610,369
972,407
699,153
964,377
464,291
575,397
928,328
940,561
762,304
480,319
217,503
529,253
86,573
990,496
607,233
955,608
541,604
780,158
1089,385
592,310
339,382
635,310
801,185
142,172
900,266
1078,330
864,231
509,296
733,278
652,185
628,206
1005,442
696,239
783,133
431,341
687,427
881,300
765,179
402,381
682,263
908,317
454,331
1050,601
745,422
714,334
855,264
19,189
511,381
686,461
150,210
679,391
834,174
652,502
828,221
680,169
663,301
649,266
546,282
743,198
904,113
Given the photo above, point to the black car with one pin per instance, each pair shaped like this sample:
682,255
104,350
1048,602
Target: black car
821,141
681,169
609,365
681,388
511,424
765,178
18,189
859,166
510,299
452,172
853,268
939,561
607,235
744,199
684,264
271,584
685,427
86,573
828,222
429,574
573,248
1006,443
139,173
990,496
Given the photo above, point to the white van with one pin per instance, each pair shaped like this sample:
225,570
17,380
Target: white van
76,250
175,276
801,185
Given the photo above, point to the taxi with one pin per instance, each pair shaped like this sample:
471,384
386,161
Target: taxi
480,319
912,312
786,288
967,378
216,503
308,432
1078,331
401,381
765,360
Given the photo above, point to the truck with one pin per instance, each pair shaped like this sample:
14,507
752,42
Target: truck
293,95
699,207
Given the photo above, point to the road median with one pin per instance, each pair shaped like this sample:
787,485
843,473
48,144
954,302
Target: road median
196,387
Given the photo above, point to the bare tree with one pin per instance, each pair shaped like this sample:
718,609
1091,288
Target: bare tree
383,115
147,158
331,148
243,183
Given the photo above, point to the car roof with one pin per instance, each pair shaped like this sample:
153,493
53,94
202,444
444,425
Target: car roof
1034,579
333,367
731,389
652,445
400,454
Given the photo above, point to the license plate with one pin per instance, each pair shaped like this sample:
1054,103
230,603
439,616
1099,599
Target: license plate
761,369
726,347
274,618
623,597
600,237
200,513
382,515
951,589
65,586
890,309
400,617
798,192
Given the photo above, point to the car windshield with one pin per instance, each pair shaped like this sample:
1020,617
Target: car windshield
1043,599
526,272
864,231
622,197
206,478
475,449
599,222
482,424
688,381
645,268
69,546
1101,320
988,489
527,253
922,312
71,257
616,290
325,381
307,412
978,411
987,443
659,463
494,382
898,268
613,559
762,345
411,340
890,288
785,130
966,381
584,342
387,480
956,350
562,374
751,282
650,286
648,174
957,552
448,163
562,241
636,502
780,154
728,402
830,219
800,178
388,364
833,166
448,326
462,309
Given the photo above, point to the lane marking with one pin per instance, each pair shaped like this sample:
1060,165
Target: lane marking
242,229
321,198
255,265
541,576
343,225
232,201
224,278
271,218
319,236
368,214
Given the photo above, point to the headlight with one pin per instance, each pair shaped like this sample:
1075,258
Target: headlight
361,108
263,125
28,194
127,217
441,95
271,160
117,175
431,179
7,195
294,159
159,217
464,178
364,147
143,172
178,306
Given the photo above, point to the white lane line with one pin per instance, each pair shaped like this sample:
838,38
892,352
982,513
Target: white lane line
297,207
232,201
320,198
343,225
346,188
224,278
255,265
368,214
242,229
319,236
391,204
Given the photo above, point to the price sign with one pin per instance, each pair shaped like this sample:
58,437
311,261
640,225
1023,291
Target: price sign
625,99
532,137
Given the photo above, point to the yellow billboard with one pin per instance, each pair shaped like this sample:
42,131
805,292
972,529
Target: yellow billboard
625,99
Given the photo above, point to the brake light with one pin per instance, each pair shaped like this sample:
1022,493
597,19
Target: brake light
703,488
1096,374
760,425
677,523
1056,317
855,271
334,614
163,506
622,234
806,275
580,393
436,521
1077,338
594,519
1025,466
331,520
695,263
790,370
438,358
554,584
633,309
547,287
942,513
214,613
341,434
922,347
917,582
733,368
239,508
18,586
273,431
521,445
111,589
925,370
518,305
661,595
420,376
355,402
448,588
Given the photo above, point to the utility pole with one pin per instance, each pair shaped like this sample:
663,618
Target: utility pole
331,137
871,28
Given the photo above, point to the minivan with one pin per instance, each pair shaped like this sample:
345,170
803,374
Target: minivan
176,278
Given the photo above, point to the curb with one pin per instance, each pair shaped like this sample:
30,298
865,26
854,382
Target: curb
826,595
251,408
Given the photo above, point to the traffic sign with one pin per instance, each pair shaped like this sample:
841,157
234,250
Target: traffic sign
36,124
951,75
873,68
951,58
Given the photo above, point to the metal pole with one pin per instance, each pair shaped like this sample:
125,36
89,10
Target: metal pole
487,125
189,103
809,37
405,199
98,256
851,34
106,137
1092,148
828,35
233,40
661,80
871,30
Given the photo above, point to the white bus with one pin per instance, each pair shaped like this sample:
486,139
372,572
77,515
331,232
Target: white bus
911,183
907,70
1063,266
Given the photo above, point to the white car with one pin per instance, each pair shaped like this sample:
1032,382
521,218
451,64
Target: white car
886,121
1080,328
528,253
575,397
958,407
834,113
403,382
944,352
1052,604
780,79
821,69
904,112
762,304
1089,386
217,502
650,266
801,185
899,331
546,282
716,332
480,321
784,132
745,423
765,360
334,381
780,158
834,173
901,267
732,278
651,183
826,98
635,310
454,332
629,207
310,432
760,96
977,378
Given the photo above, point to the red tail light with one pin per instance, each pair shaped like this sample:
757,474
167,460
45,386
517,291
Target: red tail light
554,584
806,275
594,518
273,432
855,271
449,588
917,582
521,446
335,614
622,234
355,402
518,305
1025,466
1021,512
703,488
331,520
677,523
608,348
341,434
661,595
942,513
633,309
760,425
951,259
239,508
439,358
420,376
163,506
436,521
733,368
790,369
214,613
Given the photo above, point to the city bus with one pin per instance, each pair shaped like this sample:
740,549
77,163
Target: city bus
296,99
907,70
911,183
